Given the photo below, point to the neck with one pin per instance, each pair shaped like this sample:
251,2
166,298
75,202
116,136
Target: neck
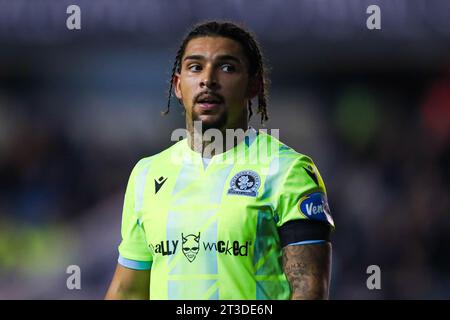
213,141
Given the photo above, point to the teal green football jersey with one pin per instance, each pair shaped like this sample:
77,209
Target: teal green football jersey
212,232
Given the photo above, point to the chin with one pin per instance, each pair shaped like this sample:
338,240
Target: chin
211,121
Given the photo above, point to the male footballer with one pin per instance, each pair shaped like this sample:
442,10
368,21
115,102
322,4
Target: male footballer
223,223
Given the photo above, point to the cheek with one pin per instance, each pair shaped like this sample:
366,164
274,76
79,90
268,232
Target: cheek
186,91
237,90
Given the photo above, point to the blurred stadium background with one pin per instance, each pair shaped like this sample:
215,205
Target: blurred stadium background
79,108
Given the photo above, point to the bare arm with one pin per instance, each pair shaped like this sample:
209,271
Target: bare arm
307,268
129,284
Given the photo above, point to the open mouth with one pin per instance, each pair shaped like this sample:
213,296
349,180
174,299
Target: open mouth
208,102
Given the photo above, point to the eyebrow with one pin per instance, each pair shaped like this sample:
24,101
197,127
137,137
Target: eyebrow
222,57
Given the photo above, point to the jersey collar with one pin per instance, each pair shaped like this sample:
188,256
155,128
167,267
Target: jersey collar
228,156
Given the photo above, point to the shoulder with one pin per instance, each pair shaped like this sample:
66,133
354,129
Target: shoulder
284,153
168,155
290,166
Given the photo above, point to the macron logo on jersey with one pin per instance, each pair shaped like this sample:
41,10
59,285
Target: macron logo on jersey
159,183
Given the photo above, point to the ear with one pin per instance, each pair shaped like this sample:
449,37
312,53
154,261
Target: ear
254,85
176,83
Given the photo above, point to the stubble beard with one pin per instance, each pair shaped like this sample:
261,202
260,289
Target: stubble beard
219,124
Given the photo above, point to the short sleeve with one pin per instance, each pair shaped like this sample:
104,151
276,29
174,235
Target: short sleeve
133,248
303,195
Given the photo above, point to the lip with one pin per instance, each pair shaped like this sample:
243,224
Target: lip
208,106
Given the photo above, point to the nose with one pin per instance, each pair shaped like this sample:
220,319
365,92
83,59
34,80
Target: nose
208,79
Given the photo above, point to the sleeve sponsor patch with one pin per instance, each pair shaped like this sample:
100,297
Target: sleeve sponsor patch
315,207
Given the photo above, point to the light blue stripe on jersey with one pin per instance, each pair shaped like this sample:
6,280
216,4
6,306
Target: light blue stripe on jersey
306,242
141,181
134,264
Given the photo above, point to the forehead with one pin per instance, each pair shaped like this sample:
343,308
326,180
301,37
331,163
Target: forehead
210,47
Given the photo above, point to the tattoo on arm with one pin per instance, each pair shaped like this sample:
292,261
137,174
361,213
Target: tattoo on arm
307,268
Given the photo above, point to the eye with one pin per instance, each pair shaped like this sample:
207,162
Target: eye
195,67
228,68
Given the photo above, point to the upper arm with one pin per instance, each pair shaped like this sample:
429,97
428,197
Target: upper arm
303,216
129,284
131,279
308,268
134,244
302,195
